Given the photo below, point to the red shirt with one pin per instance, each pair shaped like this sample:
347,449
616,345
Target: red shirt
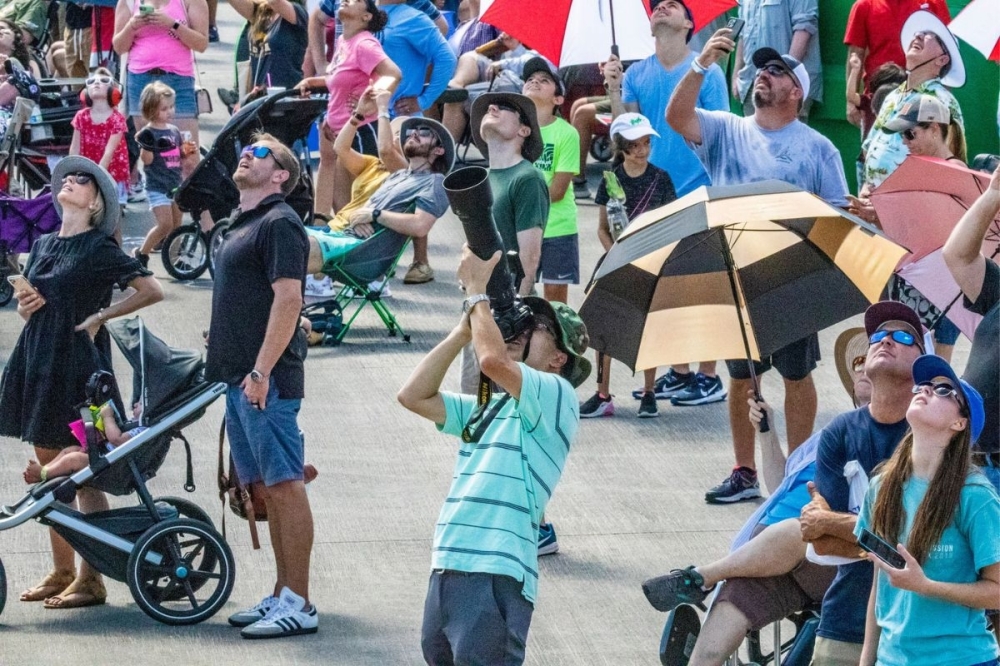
95,138
874,25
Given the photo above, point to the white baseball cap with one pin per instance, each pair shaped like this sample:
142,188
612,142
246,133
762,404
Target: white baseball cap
632,126
766,55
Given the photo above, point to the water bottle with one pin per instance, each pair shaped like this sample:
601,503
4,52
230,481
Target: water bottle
617,218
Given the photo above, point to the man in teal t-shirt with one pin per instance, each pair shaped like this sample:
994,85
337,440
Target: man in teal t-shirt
559,163
511,455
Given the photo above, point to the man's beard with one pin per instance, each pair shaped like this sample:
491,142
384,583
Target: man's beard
762,99
411,150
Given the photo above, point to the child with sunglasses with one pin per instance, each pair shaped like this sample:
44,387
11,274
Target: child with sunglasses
943,517
162,151
99,131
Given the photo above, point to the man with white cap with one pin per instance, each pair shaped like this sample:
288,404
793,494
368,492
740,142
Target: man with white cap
933,65
770,144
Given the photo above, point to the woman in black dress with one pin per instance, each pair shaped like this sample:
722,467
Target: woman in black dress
73,273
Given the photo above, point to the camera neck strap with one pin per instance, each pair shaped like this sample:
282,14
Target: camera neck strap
483,416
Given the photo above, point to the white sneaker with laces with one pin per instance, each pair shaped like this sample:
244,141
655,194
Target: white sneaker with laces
287,618
247,617
320,288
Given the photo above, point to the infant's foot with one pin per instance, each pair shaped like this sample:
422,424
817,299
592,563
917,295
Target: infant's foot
309,472
33,472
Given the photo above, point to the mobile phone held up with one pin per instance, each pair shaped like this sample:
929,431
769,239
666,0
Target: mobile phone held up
146,10
20,283
872,543
736,25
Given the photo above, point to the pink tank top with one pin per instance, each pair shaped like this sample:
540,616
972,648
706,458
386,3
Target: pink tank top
153,46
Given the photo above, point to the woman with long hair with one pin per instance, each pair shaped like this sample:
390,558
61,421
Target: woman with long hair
277,36
944,517
72,275
358,63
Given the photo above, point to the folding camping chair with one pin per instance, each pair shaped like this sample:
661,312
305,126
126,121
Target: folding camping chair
364,272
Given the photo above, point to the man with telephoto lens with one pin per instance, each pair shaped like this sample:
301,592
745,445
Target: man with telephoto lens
513,448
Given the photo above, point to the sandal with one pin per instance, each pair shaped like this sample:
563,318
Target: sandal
80,594
52,584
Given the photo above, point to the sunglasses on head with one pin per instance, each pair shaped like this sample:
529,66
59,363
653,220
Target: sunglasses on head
940,389
79,177
260,152
902,337
106,80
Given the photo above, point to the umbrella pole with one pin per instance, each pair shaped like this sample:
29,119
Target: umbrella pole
614,39
727,256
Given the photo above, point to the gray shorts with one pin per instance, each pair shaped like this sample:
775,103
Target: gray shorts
474,618
560,263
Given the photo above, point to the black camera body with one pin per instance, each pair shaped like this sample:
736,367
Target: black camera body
471,198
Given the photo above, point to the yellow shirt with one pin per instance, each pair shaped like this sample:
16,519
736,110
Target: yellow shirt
370,179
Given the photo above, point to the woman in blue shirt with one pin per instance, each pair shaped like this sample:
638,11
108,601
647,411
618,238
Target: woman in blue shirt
929,497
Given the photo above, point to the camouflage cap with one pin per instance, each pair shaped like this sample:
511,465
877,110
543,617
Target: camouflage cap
573,338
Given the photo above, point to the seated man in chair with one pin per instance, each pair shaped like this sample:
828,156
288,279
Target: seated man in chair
407,202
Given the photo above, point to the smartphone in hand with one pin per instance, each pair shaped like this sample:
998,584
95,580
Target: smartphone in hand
882,549
736,25
20,283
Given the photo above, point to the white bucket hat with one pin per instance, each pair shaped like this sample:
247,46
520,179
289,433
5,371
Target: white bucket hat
924,21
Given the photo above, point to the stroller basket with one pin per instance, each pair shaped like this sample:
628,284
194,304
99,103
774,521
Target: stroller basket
128,523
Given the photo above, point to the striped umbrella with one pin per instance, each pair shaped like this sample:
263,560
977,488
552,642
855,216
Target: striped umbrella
733,272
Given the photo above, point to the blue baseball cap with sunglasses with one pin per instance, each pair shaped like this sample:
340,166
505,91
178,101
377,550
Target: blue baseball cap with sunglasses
928,367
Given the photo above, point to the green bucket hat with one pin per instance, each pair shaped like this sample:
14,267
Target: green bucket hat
573,338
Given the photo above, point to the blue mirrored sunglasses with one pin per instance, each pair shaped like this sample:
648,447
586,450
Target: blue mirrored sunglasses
260,152
902,337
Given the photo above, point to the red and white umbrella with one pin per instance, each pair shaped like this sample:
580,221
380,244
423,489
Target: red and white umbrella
979,25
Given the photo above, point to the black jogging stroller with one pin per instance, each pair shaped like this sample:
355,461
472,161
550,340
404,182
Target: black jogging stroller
289,117
178,567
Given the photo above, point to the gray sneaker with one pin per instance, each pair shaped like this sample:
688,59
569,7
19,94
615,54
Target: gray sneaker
247,617
580,189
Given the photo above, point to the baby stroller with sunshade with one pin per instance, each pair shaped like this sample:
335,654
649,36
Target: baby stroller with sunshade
22,222
285,115
178,567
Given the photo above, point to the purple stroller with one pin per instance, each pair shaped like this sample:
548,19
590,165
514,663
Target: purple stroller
22,222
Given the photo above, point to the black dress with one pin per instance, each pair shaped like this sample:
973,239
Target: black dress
47,372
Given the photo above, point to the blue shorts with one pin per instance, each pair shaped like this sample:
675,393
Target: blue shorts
560,262
187,105
266,445
158,199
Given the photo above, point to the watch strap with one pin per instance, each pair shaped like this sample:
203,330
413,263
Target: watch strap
471,301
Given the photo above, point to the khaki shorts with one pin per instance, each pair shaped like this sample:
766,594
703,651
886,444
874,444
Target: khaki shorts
828,652
77,52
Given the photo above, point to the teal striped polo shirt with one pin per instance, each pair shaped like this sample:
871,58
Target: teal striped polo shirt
489,523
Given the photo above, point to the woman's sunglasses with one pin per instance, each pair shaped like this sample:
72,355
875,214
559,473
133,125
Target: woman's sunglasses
79,177
902,337
260,152
106,80
941,390
911,134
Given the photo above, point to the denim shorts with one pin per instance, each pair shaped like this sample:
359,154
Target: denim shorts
187,105
266,444
158,199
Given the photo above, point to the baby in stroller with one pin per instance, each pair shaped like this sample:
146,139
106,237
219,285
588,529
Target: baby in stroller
74,458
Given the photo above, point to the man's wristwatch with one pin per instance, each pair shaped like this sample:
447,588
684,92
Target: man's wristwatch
376,213
471,301
257,377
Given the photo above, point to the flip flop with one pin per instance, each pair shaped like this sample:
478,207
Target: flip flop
79,594
54,583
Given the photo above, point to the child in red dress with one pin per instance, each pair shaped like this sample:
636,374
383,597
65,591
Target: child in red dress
99,131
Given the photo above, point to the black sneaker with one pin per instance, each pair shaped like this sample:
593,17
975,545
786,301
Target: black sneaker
669,385
141,258
213,34
680,586
596,406
740,485
647,406
702,391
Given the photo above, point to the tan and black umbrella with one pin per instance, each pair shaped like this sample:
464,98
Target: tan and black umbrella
733,272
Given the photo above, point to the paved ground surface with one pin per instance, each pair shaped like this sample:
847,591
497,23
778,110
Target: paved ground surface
629,505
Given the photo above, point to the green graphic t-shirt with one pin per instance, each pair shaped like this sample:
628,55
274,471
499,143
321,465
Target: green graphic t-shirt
560,154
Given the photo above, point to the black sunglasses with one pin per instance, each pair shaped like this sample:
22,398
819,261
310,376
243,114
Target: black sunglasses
423,132
910,134
902,337
507,106
79,177
940,389
260,152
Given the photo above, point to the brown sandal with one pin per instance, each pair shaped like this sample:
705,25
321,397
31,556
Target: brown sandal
80,594
52,584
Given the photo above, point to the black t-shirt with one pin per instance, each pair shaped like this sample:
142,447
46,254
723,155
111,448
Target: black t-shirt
163,174
851,436
263,245
277,60
77,17
650,190
983,367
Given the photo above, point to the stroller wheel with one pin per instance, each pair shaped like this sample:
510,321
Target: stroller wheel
185,252
6,292
600,148
186,509
174,555
191,511
3,587
215,237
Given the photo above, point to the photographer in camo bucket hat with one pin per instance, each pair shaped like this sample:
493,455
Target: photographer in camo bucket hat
513,448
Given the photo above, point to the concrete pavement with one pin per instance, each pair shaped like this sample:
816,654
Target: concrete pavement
629,506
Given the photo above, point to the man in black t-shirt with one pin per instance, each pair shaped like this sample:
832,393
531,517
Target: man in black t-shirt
256,347
979,279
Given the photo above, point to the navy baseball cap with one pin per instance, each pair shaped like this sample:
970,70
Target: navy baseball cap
687,11
929,366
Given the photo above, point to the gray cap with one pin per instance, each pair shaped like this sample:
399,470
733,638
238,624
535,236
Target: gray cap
918,109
